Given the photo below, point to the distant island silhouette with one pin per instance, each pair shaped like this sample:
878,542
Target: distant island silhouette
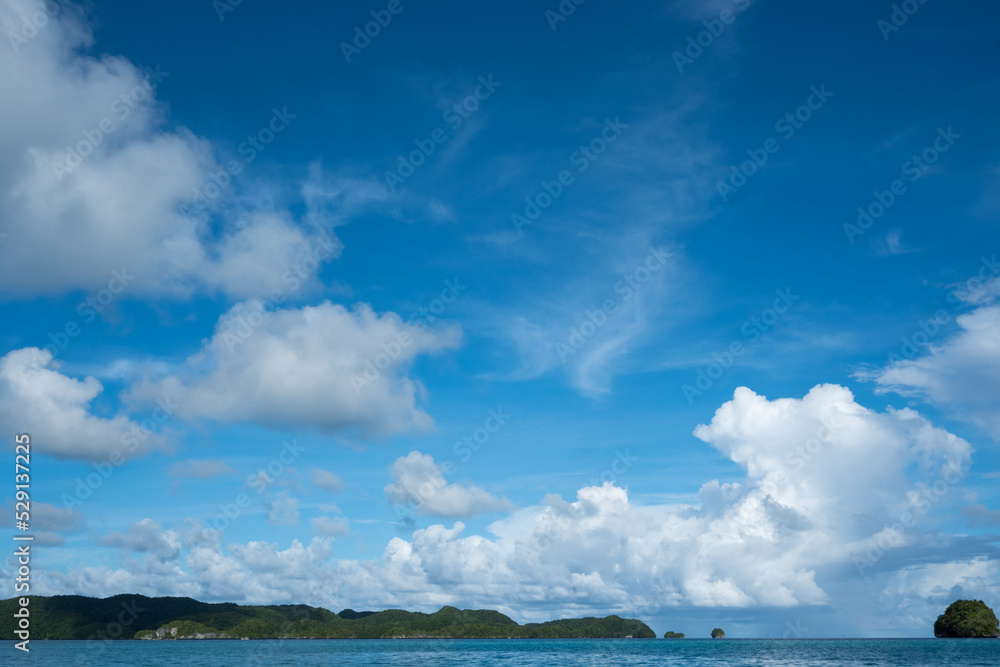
176,618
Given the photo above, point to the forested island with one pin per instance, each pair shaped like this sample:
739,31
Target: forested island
174,618
967,619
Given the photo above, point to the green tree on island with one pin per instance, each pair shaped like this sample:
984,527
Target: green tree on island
967,619
718,634
669,634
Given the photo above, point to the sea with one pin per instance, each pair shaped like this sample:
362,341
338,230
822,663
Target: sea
513,652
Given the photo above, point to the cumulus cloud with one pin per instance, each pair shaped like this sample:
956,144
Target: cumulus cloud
331,526
146,536
804,452
248,573
200,469
978,514
823,476
963,372
326,480
282,509
50,524
46,516
313,367
91,182
417,480
33,391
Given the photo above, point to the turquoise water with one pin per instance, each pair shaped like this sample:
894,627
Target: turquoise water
515,653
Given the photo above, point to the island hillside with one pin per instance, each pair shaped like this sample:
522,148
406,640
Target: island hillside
140,617
967,619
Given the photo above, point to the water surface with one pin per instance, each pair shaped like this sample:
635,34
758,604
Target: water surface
515,653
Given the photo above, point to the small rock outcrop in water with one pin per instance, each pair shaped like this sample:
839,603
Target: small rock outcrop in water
718,634
967,619
673,635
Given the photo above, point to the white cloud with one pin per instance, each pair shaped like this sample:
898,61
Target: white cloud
46,516
893,244
937,582
55,408
323,367
282,509
122,204
804,452
978,514
326,480
200,469
963,372
331,526
589,324
146,536
418,480
822,476
48,522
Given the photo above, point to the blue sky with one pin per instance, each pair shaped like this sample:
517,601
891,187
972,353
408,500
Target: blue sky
676,310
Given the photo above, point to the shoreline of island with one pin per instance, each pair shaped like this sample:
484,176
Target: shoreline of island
139,617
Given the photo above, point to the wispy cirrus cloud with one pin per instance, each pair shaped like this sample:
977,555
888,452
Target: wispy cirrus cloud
961,373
